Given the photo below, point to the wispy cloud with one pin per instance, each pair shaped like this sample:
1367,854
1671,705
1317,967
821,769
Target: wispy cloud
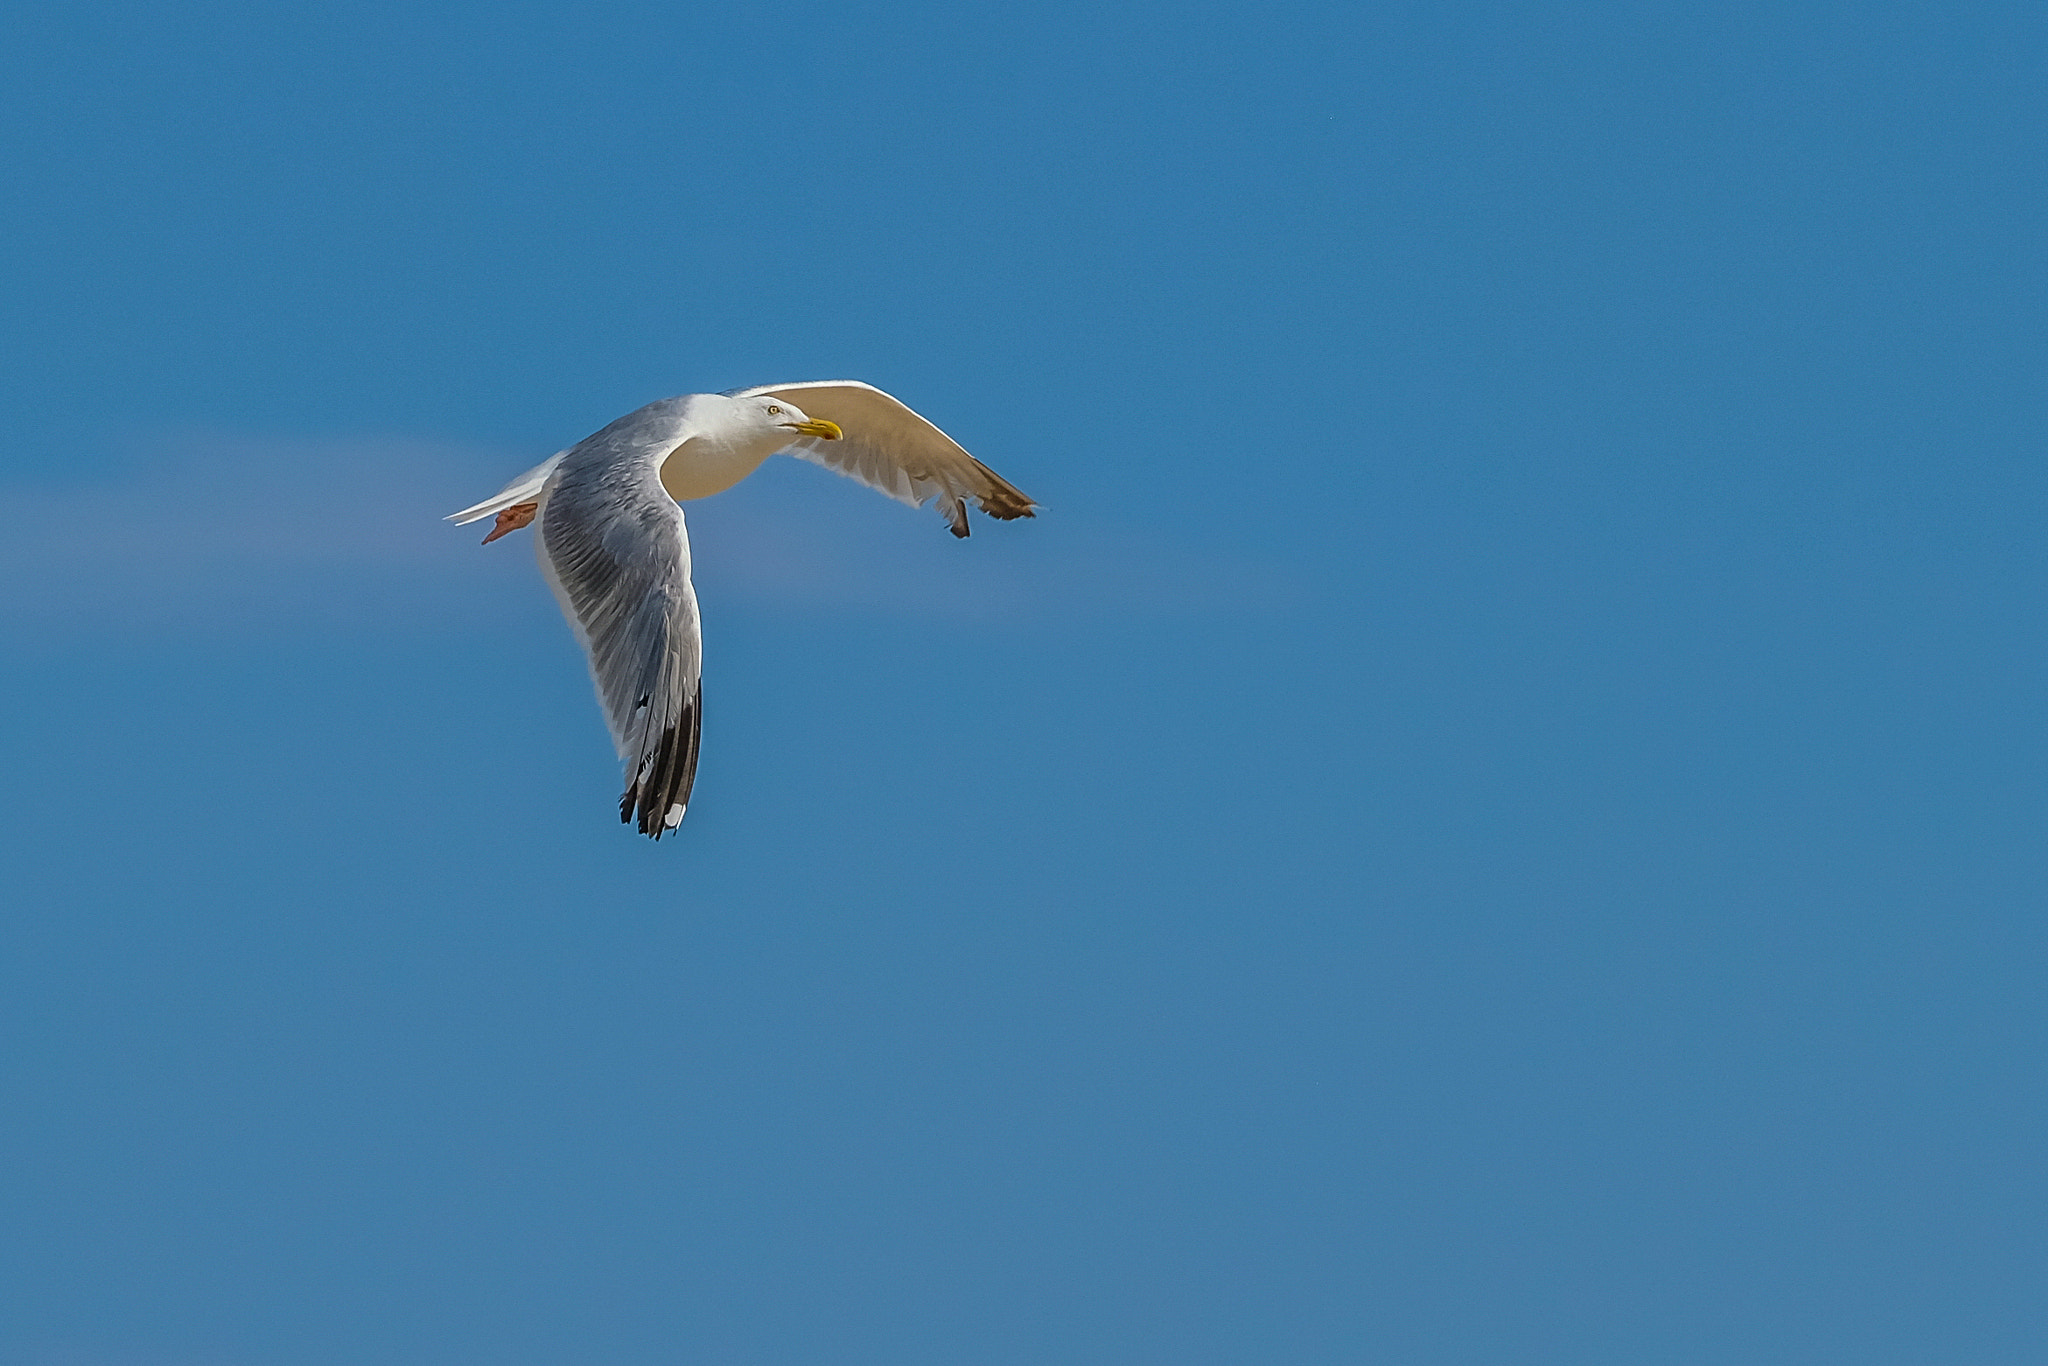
213,531
236,532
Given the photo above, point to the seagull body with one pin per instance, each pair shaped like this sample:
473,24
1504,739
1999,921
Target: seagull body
613,546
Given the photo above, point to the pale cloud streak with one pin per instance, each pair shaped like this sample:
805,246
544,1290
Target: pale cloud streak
234,533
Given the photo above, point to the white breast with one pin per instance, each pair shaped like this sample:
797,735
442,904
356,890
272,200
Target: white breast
704,465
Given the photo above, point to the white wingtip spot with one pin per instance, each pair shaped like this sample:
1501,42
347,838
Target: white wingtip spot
674,817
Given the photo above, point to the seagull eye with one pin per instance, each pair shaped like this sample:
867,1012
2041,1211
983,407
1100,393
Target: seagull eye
774,411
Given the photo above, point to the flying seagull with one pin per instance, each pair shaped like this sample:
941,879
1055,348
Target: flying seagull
610,539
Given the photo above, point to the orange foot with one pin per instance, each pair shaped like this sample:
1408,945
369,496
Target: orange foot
511,519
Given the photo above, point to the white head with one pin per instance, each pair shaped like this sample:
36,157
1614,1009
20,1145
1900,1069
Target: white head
725,437
767,418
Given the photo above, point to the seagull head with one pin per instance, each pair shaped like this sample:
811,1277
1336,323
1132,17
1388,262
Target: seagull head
778,414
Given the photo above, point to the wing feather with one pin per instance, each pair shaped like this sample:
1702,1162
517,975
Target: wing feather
895,451
614,548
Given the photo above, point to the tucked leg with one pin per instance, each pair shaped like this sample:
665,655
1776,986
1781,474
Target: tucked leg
511,519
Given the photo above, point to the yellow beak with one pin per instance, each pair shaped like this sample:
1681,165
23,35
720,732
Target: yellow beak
817,427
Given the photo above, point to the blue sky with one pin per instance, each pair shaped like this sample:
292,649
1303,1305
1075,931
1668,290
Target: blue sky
1495,818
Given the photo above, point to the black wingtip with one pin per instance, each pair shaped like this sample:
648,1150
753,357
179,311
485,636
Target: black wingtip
652,795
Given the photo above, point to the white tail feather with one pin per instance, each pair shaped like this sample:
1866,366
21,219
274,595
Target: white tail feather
525,489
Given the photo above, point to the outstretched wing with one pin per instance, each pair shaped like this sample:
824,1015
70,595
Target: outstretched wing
894,451
613,546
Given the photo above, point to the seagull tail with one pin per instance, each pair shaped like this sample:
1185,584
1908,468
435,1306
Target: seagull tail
525,489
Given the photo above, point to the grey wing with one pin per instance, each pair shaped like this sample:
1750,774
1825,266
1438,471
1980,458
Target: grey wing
893,450
614,548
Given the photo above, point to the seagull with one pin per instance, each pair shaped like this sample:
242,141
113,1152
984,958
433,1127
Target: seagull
611,542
